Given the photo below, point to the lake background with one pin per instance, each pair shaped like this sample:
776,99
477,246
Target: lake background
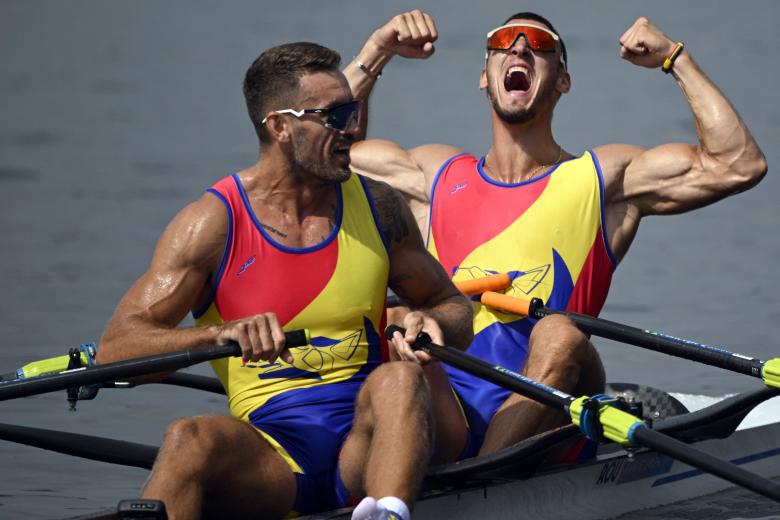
114,115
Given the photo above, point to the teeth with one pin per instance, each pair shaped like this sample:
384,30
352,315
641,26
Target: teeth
517,68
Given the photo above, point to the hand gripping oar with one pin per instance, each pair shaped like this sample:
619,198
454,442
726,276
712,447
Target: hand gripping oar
769,371
130,368
592,414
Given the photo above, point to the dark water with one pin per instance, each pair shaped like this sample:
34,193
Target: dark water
113,115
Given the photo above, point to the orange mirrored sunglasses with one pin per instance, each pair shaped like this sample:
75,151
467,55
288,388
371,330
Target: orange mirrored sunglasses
538,38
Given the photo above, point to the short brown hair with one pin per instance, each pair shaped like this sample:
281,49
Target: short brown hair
273,79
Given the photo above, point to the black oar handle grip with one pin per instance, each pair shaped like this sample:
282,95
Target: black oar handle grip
293,338
297,338
423,339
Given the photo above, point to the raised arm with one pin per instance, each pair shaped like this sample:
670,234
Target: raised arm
674,178
409,35
437,306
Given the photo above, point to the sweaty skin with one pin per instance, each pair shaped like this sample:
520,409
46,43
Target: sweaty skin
221,464
663,180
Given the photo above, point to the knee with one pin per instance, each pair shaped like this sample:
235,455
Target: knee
397,384
399,377
557,336
192,439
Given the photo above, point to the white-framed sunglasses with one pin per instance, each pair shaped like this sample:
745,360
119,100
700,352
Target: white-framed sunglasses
338,118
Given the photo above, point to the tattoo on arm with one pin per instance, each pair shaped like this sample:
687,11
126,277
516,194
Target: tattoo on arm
390,208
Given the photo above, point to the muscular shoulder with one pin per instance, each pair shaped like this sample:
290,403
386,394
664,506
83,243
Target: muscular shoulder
196,236
409,171
394,215
614,160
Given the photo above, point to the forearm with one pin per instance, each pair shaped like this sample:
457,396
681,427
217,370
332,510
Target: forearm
361,80
454,316
723,136
135,337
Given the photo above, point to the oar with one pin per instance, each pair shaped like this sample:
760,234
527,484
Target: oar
60,363
715,421
90,447
130,368
592,414
769,370
474,287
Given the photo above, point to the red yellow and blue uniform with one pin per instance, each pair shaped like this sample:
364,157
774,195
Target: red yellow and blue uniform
337,290
547,233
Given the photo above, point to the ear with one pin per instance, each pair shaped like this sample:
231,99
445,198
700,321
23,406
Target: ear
278,128
563,85
483,80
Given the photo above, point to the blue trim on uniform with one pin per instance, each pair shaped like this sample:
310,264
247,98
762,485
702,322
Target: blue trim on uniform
433,191
500,184
295,250
370,200
228,244
603,209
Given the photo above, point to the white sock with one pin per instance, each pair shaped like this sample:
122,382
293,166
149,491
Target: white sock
372,509
365,510
396,505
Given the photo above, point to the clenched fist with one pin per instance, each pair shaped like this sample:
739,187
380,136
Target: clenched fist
645,45
410,35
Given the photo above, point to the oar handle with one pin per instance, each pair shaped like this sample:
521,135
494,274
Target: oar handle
131,368
494,282
506,303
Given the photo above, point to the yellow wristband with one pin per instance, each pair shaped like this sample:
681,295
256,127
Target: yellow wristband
668,62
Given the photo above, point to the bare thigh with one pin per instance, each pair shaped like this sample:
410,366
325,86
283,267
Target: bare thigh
240,472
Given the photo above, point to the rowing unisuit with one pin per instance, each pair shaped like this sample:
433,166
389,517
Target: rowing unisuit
546,233
336,289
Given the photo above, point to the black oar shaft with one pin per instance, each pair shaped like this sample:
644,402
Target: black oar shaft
114,371
128,369
85,446
493,373
561,400
704,461
656,341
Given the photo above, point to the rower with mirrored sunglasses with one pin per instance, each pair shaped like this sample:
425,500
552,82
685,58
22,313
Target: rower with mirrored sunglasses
556,223
295,240
340,117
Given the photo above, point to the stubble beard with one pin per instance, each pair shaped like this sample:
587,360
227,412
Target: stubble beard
316,164
521,115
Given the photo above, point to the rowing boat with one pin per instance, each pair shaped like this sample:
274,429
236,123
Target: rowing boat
514,484
527,479
521,482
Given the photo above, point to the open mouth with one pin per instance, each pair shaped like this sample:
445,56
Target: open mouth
517,80
341,152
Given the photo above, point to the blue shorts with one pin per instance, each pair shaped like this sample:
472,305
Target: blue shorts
310,425
504,344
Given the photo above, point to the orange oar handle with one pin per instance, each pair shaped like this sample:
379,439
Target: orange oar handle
494,282
505,303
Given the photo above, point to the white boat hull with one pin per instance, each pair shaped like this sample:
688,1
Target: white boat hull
610,486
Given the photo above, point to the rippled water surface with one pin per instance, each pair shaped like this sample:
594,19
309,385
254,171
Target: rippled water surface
114,115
